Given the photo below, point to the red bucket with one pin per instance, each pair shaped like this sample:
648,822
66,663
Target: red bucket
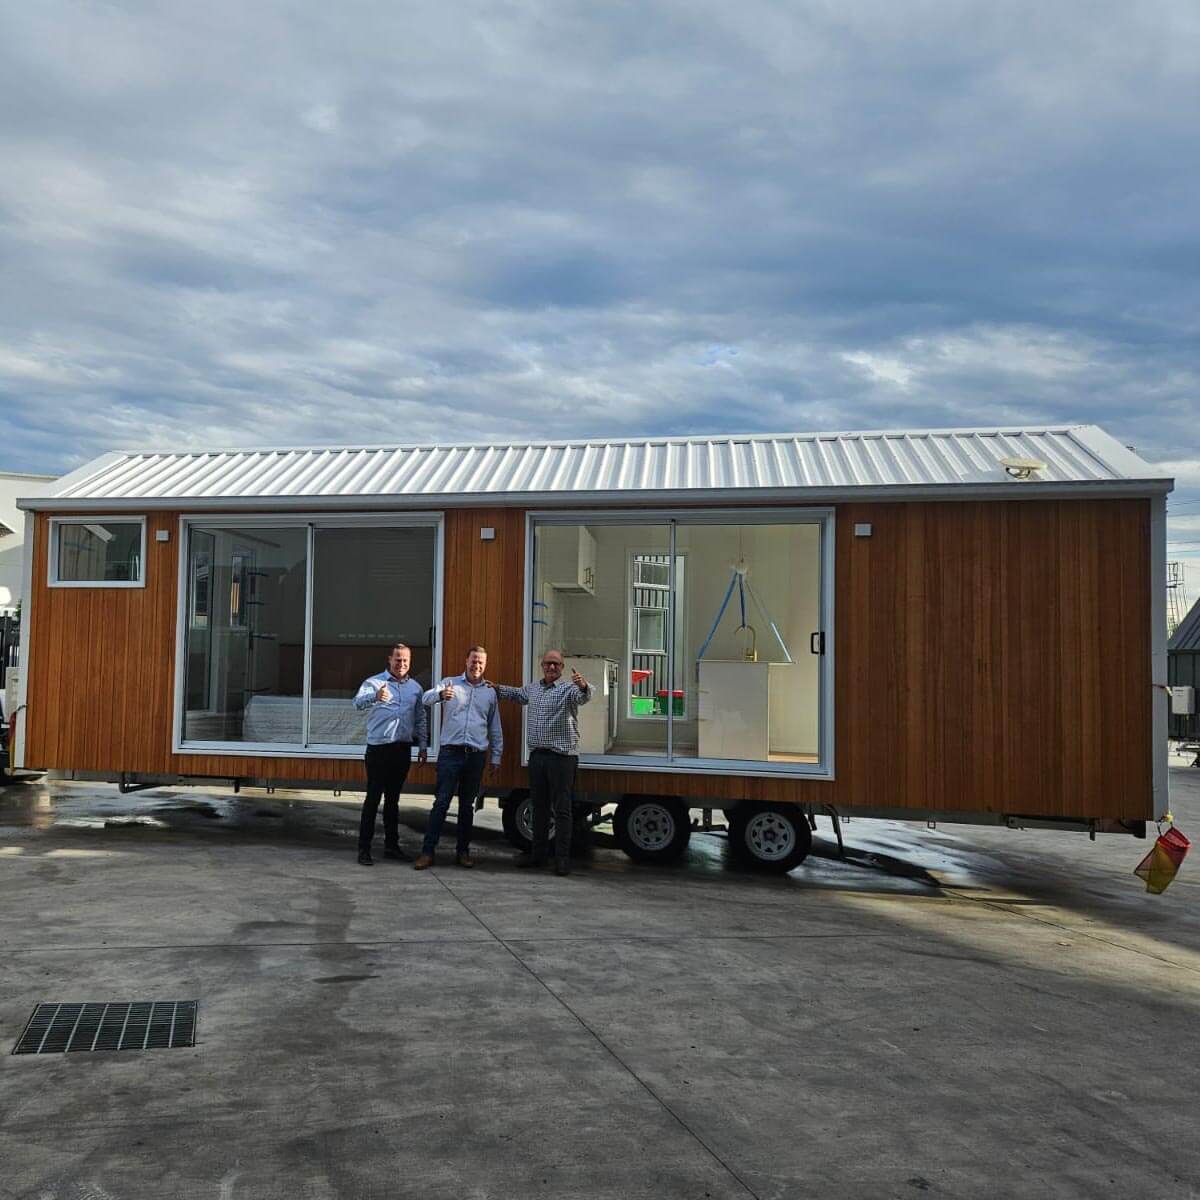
1162,864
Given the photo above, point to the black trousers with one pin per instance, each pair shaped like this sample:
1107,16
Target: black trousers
551,783
387,769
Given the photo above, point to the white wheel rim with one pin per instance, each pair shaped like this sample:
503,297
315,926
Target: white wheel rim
651,827
770,837
525,822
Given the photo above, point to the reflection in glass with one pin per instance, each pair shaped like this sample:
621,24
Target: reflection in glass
100,552
372,587
245,635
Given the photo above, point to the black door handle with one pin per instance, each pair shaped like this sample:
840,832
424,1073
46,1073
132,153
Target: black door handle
816,642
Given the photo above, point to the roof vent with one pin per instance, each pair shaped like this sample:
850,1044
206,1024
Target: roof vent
1022,468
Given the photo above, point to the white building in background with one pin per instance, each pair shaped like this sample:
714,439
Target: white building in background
12,531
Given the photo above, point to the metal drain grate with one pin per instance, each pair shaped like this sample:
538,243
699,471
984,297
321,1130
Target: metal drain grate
146,1025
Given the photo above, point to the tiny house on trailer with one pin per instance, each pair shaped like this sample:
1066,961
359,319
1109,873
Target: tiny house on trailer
962,625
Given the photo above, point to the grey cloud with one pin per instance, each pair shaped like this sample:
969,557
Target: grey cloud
271,223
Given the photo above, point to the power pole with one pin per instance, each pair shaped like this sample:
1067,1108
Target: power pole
1176,596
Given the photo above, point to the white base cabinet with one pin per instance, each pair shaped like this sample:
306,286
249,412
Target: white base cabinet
735,712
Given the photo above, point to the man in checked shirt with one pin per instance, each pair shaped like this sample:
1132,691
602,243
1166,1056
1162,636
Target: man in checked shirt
553,739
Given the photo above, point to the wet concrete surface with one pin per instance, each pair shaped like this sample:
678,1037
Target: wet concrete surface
956,1011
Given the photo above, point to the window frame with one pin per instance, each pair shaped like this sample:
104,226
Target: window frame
637,613
52,557
310,521
822,515
672,628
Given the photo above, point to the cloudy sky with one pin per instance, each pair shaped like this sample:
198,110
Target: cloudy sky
247,224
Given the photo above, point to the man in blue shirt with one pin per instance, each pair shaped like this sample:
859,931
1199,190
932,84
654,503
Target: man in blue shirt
395,719
470,734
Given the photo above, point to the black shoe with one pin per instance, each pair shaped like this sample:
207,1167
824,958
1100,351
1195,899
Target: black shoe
365,859
394,852
562,868
527,860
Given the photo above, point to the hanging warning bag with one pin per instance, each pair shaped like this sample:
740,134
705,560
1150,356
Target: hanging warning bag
1160,866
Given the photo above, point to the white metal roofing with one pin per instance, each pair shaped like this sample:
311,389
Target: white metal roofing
798,467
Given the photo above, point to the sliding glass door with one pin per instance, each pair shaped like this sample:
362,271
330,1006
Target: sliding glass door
601,595
283,620
710,630
245,634
752,654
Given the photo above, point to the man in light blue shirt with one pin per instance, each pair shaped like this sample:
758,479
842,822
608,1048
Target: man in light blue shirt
395,719
470,733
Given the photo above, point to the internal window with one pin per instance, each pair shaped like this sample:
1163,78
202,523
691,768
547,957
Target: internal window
650,623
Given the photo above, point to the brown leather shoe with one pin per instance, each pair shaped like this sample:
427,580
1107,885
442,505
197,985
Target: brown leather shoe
464,860
423,861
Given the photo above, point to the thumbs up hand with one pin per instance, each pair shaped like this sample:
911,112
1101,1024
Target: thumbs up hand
447,692
578,680
384,694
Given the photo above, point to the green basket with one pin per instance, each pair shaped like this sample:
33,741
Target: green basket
641,706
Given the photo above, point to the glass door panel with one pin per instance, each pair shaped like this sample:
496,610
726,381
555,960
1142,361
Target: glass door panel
372,587
245,635
601,595
749,607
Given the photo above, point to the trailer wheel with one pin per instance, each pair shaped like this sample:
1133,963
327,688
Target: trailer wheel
518,823
517,818
652,828
769,837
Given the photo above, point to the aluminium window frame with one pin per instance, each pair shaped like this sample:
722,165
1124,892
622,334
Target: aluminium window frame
52,555
824,516
403,519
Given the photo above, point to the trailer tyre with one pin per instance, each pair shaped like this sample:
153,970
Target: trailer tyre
517,818
769,837
652,829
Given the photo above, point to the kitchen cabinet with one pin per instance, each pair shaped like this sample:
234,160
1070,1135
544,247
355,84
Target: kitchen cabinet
568,558
741,708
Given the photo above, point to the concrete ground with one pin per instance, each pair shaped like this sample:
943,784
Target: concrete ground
955,1012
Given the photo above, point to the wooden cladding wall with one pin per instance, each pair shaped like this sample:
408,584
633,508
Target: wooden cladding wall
100,665
118,648
990,656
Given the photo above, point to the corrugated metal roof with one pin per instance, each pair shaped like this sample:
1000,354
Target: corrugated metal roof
1187,634
803,465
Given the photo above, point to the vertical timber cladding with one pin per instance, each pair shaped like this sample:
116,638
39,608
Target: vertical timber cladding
101,665
483,601
991,656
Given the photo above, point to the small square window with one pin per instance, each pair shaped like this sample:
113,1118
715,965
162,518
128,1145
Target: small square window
650,634
650,573
103,552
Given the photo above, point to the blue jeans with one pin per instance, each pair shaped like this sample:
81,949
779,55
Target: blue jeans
457,769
